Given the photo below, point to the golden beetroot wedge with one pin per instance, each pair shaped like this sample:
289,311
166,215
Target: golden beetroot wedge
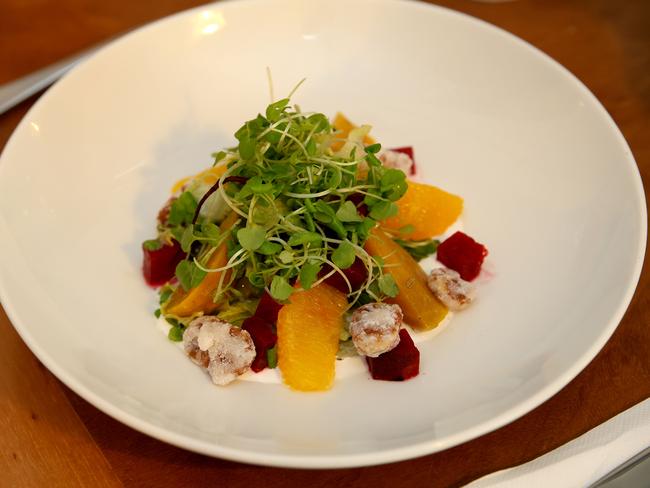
200,299
421,308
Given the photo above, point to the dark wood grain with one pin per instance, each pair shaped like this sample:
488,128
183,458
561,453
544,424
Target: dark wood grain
606,43
44,443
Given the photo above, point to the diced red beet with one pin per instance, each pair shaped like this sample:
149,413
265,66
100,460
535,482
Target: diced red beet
463,254
260,362
356,274
159,266
398,364
264,338
268,309
261,328
261,331
408,150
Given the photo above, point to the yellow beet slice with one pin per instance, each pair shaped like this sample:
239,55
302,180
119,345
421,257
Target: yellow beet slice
201,298
308,337
209,177
428,209
421,308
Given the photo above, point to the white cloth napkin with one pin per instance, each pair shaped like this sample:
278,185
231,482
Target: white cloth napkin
584,460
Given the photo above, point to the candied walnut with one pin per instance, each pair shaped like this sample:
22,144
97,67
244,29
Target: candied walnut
397,160
448,287
374,328
224,350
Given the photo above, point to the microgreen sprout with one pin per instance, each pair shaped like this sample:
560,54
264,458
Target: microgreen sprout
306,209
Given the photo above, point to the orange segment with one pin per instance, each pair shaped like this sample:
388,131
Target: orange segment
428,209
209,177
344,126
421,308
200,299
308,337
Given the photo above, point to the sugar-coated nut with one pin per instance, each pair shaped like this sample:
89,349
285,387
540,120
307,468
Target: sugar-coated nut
396,160
224,350
454,292
374,328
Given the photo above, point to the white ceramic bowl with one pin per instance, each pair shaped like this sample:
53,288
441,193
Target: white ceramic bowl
549,185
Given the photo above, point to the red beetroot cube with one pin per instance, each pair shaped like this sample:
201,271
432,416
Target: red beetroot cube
463,254
408,150
264,338
159,266
268,309
260,362
356,274
398,364
261,332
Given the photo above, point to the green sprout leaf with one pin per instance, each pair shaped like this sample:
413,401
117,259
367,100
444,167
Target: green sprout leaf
308,274
383,210
165,293
269,248
373,148
371,197
256,186
187,238
373,161
393,184
272,357
364,228
319,122
391,177
182,209
348,213
218,156
275,110
189,274
251,238
388,286
246,148
280,288
419,249
210,231
286,257
311,147
344,255
152,245
304,238
175,333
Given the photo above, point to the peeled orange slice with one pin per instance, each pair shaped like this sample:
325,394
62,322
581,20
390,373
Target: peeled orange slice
428,209
308,337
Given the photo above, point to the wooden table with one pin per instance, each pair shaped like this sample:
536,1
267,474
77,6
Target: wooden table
51,437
